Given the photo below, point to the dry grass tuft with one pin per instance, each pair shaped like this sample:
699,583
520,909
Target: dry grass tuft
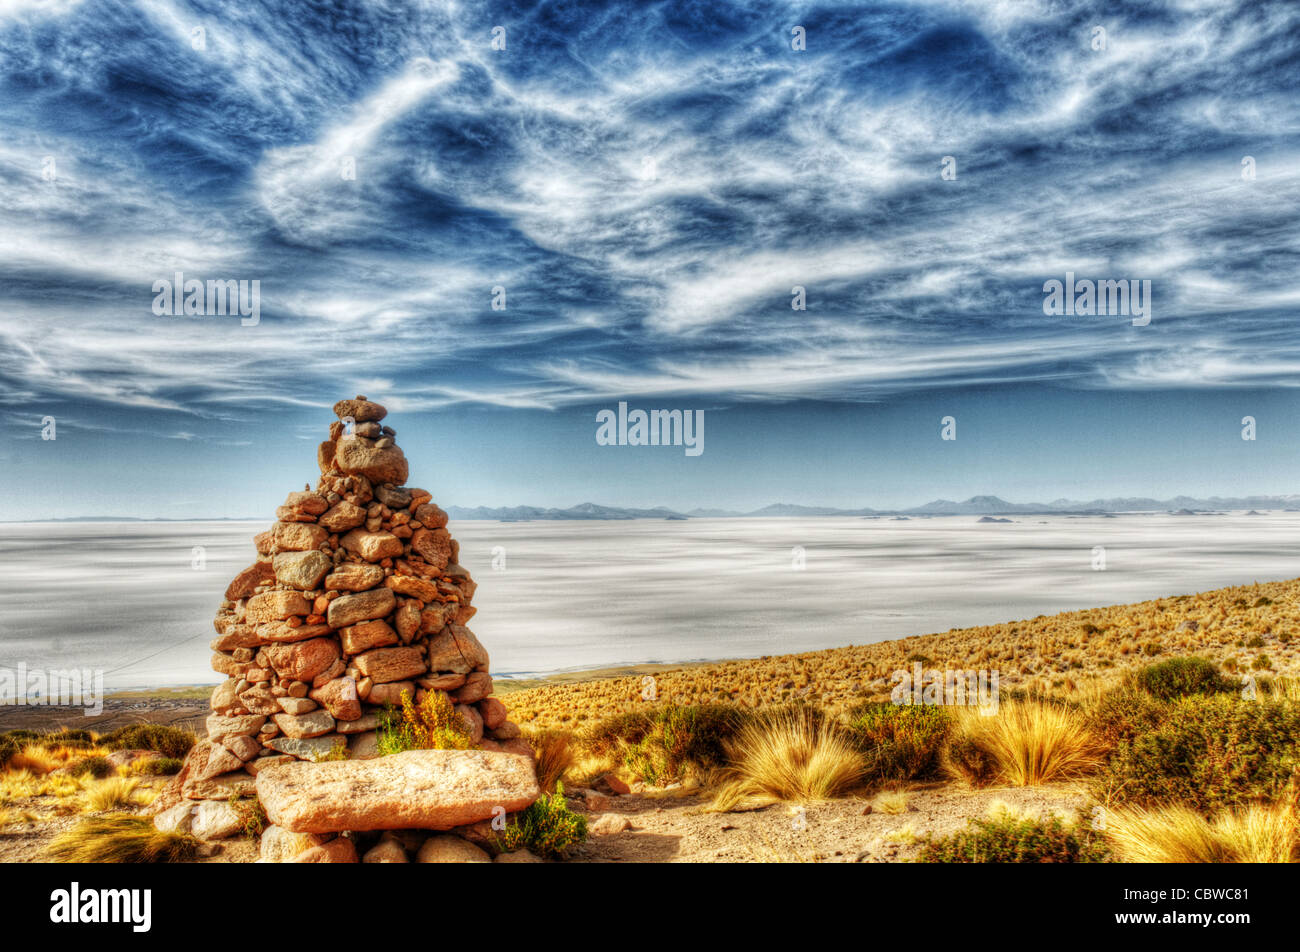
112,794
789,757
17,784
555,757
120,838
1176,834
37,760
890,802
1029,742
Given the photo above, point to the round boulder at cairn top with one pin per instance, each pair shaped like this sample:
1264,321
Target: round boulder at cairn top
356,598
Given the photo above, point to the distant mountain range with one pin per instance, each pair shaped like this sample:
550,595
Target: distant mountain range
975,506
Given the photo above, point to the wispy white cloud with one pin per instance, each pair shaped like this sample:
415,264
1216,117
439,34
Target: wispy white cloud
647,196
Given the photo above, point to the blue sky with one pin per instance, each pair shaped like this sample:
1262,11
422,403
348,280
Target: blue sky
648,185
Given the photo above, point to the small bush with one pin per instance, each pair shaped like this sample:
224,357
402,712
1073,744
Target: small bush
1255,641
548,827
900,741
252,816
66,738
1122,714
1209,753
433,724
168,741
1181,677
337,752
1007,838
97,767
965,758
9,745
683,736
607,737
1263,663
159,767
119,838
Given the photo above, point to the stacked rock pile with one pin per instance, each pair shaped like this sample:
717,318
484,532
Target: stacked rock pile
356,598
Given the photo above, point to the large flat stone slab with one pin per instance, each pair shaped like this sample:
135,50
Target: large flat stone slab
418,789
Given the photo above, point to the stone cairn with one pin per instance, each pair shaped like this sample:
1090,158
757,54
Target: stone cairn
356,598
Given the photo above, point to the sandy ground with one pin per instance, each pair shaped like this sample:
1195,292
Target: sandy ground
681,831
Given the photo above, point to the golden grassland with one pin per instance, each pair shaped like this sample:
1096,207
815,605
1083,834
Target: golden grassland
1248,628
62,798
1081,692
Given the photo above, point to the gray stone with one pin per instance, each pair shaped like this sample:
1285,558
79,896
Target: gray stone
363,746
299,727
215,820
302,570
304,748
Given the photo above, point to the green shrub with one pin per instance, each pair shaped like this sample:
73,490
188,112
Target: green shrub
97,767
681,736
608,736
168,741
252,816
67,737
899,741
1010,839
1124,713
965,758
338,752
1255,641
1209,753
433,724
548,827
1180,677
9,745
1263,663
159,767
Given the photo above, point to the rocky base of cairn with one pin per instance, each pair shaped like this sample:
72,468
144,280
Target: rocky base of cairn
356,598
